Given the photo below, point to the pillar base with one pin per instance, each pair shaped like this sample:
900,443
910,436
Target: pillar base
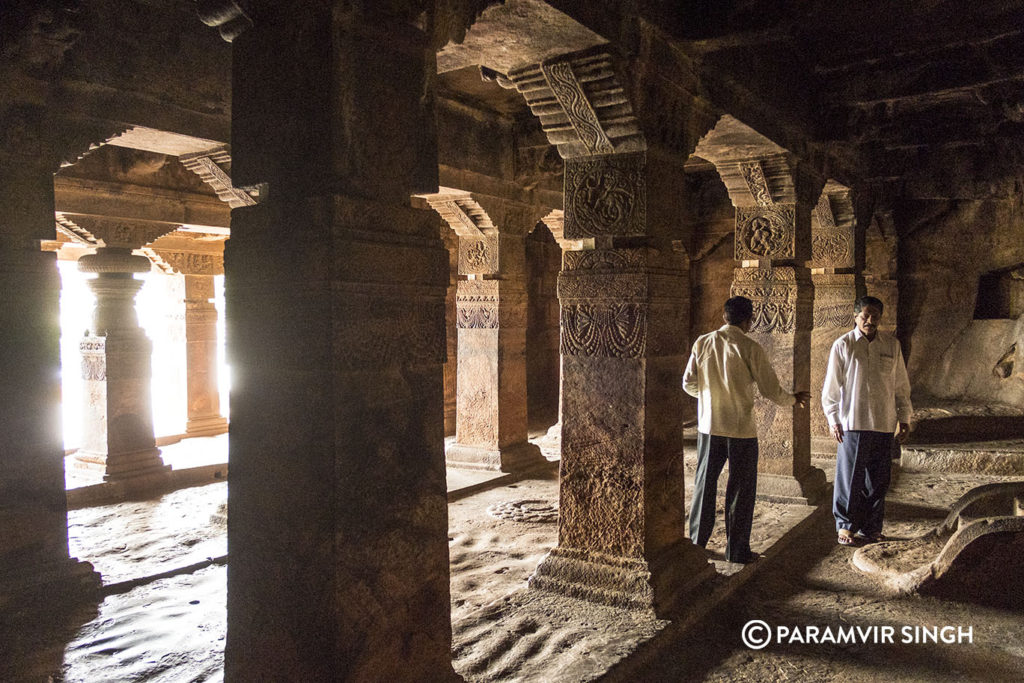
64,581
137,465
628,583
520,457
809,489
206,426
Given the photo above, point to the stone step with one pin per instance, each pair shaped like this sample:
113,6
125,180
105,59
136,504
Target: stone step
1005,457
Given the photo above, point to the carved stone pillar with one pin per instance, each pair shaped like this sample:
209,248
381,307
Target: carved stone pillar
117,420
338,526
835,289
491,416
774,196
623,323
204,418
35,567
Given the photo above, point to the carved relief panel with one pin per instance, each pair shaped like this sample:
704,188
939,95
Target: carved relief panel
765,232
605,196
831,243
833,301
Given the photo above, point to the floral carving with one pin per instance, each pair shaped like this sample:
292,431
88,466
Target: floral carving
477,317
753,175
569,92
615,330
831,249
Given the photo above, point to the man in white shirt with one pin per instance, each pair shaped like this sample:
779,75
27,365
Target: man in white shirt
866,398
723,369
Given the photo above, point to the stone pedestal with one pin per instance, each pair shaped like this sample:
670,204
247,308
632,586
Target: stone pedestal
204,418
338,527
782,297
117,418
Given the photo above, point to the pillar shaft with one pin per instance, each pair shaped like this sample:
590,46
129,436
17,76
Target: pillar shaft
34,559
623,340
338,524
491,418
117,419
204,417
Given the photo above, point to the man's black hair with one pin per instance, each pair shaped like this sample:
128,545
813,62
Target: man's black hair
863,301
738,310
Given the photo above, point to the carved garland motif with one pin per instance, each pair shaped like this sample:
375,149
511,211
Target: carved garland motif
570,95
834,315
605,196
478,317
764,232
94,360
773,293
613,331
753,174
604,259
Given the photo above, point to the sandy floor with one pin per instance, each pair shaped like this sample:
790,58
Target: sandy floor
173,629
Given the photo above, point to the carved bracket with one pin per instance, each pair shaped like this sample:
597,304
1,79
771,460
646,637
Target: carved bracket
212,166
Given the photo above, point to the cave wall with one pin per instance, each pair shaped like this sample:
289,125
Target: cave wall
946,246
543,261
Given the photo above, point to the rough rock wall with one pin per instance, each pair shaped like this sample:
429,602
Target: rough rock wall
946,247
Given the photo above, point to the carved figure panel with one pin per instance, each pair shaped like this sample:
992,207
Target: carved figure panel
616,330
193,263
765,232
605,196
478,255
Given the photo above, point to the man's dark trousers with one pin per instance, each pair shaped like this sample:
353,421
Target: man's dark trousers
740,492
863,472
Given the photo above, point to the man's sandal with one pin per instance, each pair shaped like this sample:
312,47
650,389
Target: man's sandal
845,538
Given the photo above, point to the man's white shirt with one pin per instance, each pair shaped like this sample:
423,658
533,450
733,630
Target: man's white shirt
866,384
723,368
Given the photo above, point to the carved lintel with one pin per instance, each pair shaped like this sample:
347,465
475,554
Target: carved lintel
210,166
192,263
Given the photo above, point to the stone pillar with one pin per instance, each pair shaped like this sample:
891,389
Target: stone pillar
451,242
491,419
338,527
623,344
774,196
117,420
35,566
833,258
204,418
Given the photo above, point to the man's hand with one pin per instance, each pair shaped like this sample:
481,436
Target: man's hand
837,433
802,398
902,431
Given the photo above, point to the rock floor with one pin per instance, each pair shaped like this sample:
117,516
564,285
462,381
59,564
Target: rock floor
173,628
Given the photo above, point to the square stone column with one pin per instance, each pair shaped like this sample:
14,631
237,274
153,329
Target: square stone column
335,313
491,420
204,418
782,297
35,566
623,345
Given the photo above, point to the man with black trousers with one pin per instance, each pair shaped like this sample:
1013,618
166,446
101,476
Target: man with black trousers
866,398
722,371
